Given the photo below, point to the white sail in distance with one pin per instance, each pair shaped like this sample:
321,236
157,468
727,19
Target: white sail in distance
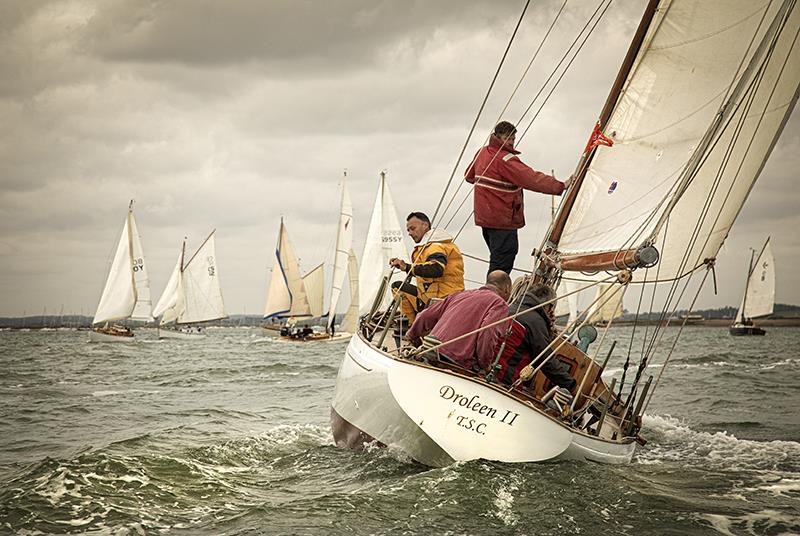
127,290
170,303
202,295
344,243
567,305
314,283
350,322
385,240
607,305
704,103
759,296
286,295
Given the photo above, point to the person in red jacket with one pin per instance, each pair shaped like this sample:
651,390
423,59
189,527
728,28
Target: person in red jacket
499,177
461,313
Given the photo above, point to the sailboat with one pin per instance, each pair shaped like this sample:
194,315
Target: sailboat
700,100
344,263
287,296
192,295
127,290
759,293
385,240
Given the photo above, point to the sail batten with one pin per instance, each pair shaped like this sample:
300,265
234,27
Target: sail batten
682,182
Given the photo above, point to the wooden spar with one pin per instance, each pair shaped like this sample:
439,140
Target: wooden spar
605,114
626,259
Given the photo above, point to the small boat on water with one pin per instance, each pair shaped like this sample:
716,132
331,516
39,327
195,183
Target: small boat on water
192,296
699,102
284,287
759,293
126,294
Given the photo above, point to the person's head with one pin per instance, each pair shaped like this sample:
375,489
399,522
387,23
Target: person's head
507,132
417,224
543,293
500,281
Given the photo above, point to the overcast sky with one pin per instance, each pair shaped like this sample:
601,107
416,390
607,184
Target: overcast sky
229,115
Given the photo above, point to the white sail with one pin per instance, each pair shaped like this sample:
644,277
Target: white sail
314,283
143,308
286,295
385,239
171,301
127,290
567,305
200,286
350,322
695,121
607,305
344,242
759,298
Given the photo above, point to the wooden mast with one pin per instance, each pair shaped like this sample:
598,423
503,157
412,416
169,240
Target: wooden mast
613,260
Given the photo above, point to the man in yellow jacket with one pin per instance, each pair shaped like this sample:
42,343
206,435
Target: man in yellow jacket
436,263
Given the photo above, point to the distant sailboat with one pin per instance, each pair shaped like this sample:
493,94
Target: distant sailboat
287,296
607,305
192,294
127,290
385,239
759,293
314,283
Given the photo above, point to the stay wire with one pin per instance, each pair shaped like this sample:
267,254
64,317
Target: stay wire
480,110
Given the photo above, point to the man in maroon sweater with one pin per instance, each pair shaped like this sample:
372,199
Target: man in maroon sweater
499,177
463,312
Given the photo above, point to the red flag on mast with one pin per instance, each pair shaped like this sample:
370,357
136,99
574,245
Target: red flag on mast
597,138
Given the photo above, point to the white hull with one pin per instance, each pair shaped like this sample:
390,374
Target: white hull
438,417
175,334
96,336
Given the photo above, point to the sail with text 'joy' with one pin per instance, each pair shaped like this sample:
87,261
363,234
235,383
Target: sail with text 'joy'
385,240
695,113
193,292
759,295
127,290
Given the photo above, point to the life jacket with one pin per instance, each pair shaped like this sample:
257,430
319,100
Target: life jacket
438,248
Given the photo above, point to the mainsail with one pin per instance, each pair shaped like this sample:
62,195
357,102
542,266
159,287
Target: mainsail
344,242
127,290
696,115
286,296
193,292
759,295
385,240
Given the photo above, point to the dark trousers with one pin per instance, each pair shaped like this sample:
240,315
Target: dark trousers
503,248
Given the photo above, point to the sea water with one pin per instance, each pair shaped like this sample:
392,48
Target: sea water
230,435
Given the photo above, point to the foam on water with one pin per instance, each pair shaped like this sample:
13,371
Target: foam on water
677,442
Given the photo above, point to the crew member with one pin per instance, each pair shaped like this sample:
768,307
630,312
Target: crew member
531,333
437,266
499,177
462,313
